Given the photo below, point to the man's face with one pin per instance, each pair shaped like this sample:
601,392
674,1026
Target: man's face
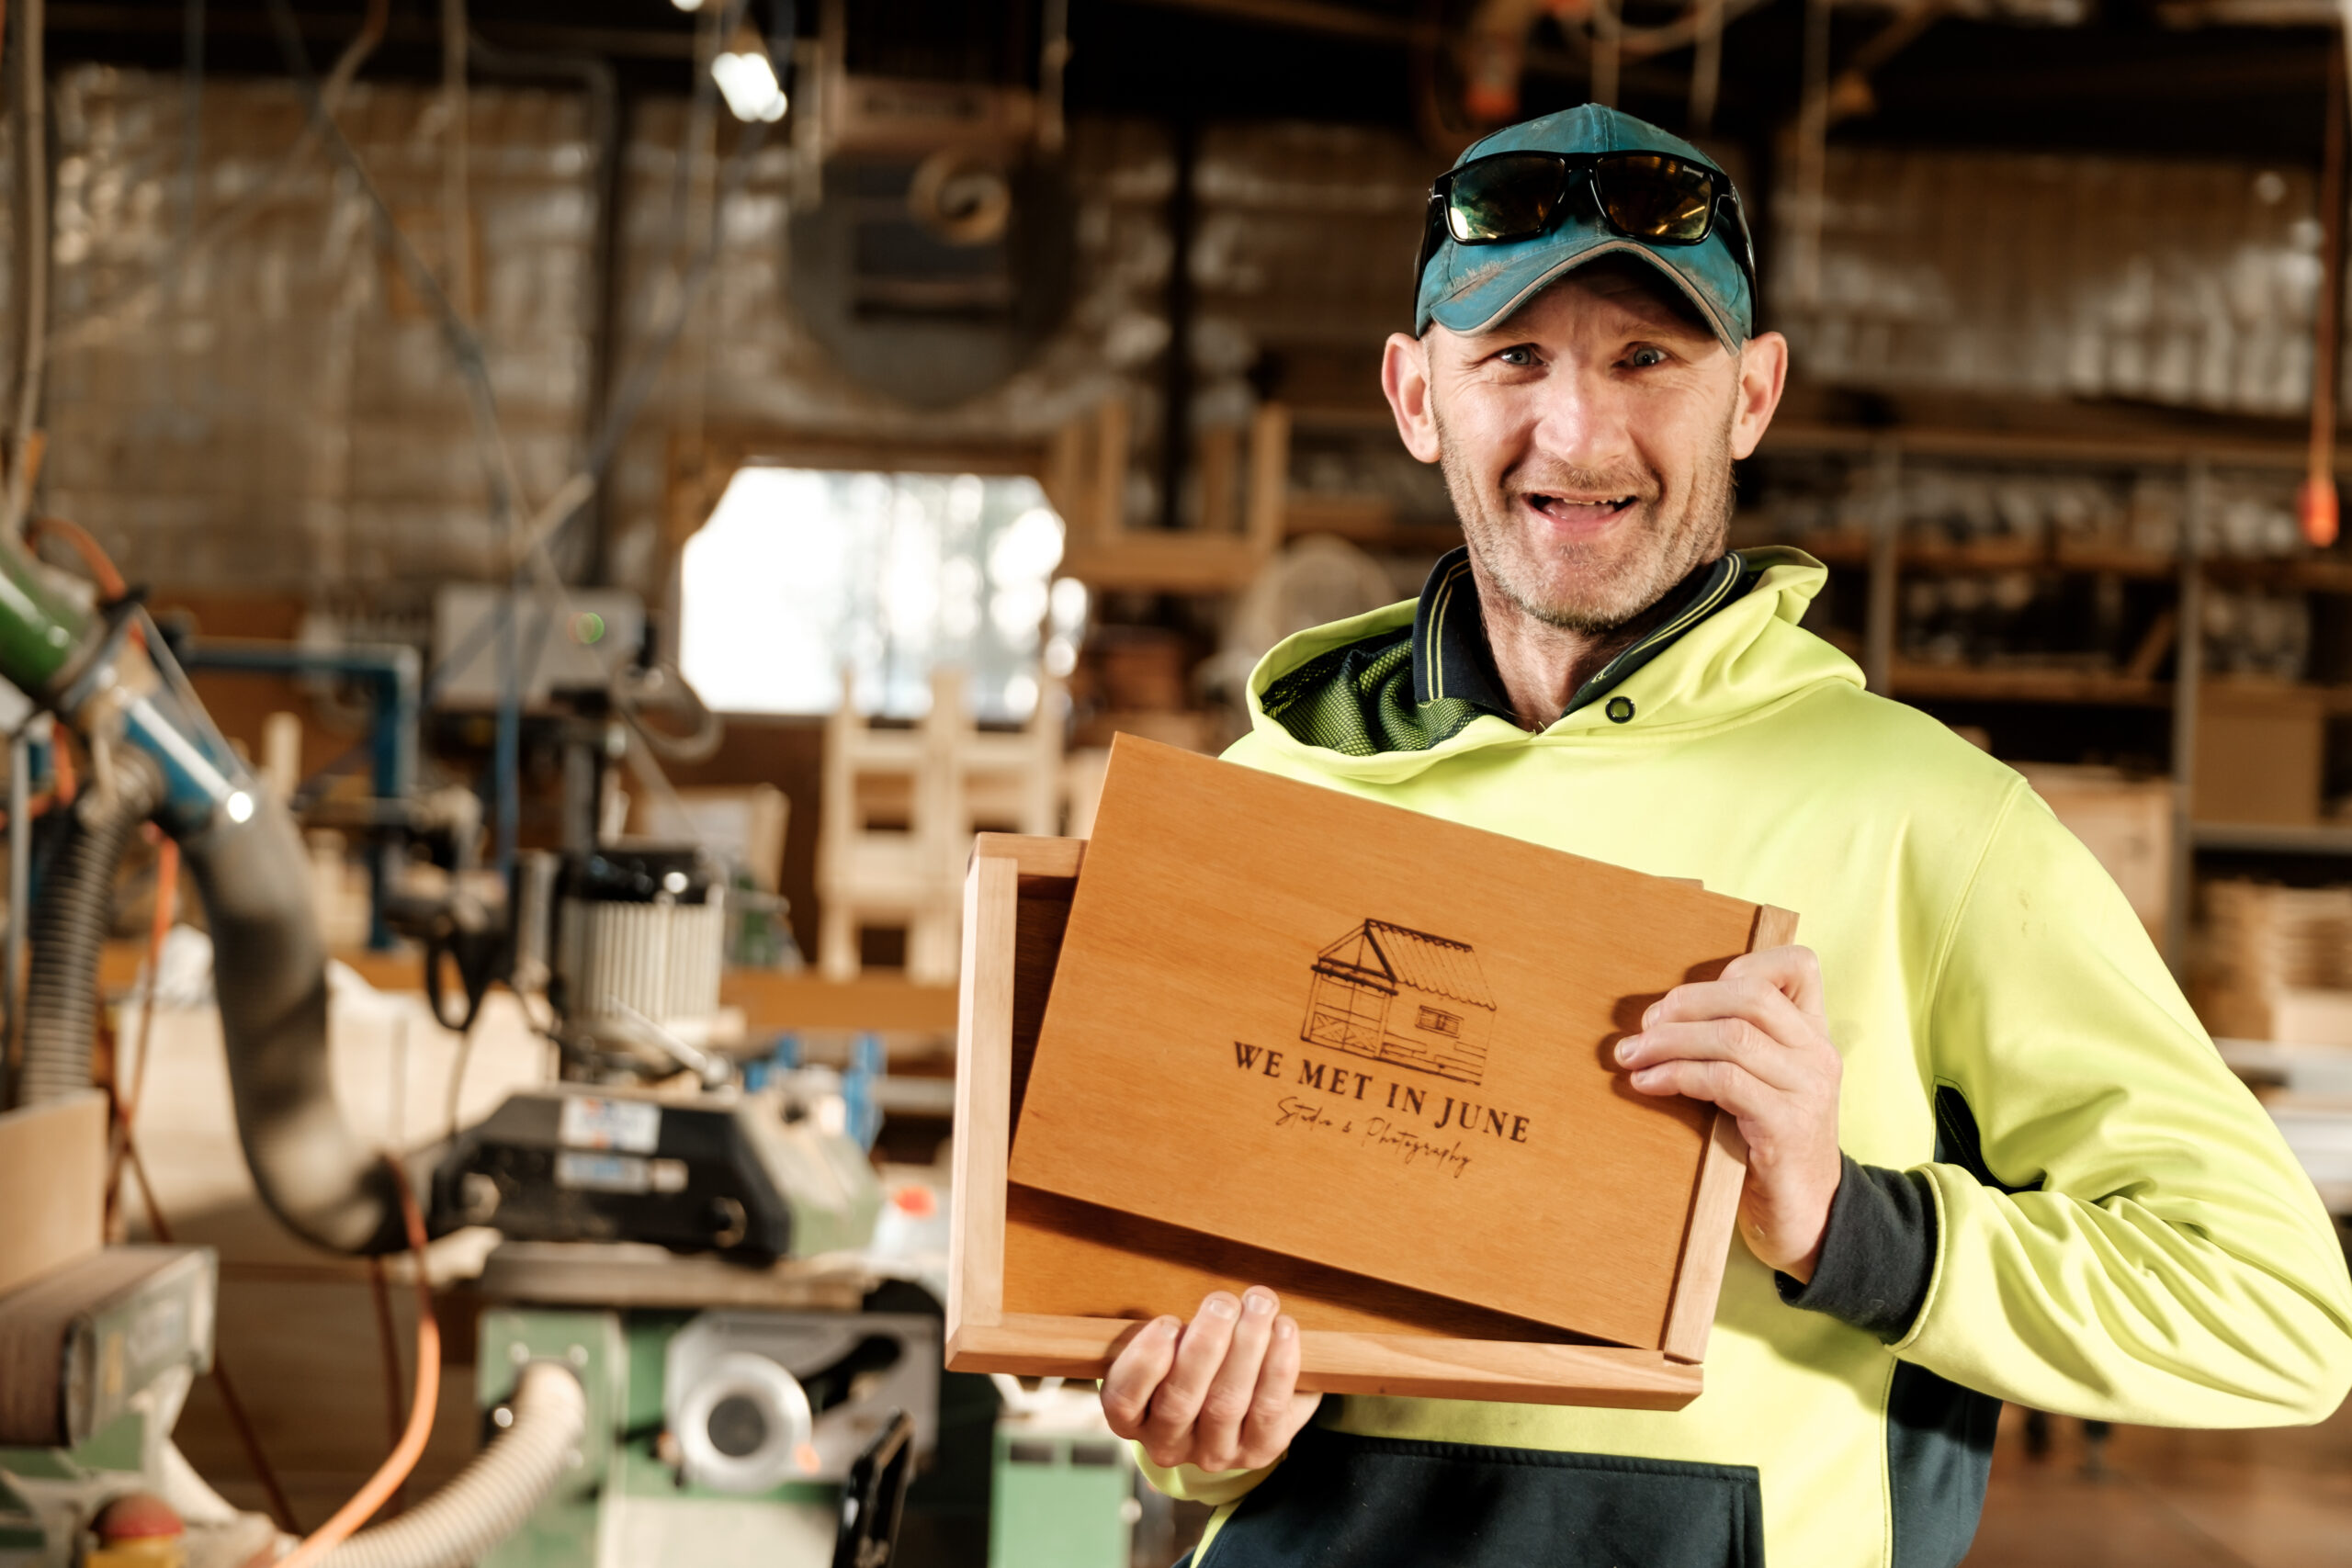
1587,440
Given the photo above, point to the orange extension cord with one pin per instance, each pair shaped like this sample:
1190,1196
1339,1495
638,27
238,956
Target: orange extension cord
395,1470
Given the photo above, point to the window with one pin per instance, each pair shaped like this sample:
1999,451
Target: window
1436,1022
801,572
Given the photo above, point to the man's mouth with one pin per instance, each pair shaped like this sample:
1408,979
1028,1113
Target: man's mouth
1585,511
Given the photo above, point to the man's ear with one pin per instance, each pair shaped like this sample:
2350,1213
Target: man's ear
1763,372
1405,378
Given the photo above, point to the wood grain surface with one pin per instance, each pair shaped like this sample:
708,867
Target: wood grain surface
1048,1286
1274,1003
1065,1258
1420,1367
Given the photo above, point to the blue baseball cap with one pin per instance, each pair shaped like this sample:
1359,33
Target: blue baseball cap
1467,289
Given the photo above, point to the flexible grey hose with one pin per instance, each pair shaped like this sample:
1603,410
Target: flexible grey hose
269,974
68,925
487,1501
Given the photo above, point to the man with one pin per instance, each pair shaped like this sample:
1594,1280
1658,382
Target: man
1993,1155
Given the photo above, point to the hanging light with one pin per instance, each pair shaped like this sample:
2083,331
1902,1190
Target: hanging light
746,79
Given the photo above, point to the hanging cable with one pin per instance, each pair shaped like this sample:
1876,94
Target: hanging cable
388,1345
279,1509
191,127
93,555
1810,198
1608,42
531,544
102,321
457,221
32,257
396,1468
2315,499
1706,63
167,876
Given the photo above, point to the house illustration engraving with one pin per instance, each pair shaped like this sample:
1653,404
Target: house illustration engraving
1404,997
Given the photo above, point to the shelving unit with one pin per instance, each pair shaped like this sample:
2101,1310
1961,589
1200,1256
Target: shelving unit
1088,470
2261,839
1885,556
1948,682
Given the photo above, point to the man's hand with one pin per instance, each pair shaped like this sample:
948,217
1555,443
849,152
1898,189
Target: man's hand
1755,1043
1220,1392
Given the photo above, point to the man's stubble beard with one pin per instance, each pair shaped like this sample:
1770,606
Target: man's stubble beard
1603,594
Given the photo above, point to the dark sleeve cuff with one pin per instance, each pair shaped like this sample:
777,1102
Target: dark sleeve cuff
1878,1254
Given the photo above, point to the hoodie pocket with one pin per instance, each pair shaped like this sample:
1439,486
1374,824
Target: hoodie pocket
1340,1501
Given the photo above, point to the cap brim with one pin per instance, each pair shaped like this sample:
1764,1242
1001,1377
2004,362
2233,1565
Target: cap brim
1494,292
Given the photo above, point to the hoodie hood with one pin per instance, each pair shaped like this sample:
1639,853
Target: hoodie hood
1744,658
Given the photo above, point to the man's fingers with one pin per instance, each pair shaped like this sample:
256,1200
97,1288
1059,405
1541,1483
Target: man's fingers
1279,1410
1725,1084
1134,1377
1216,1430
1199,1354
1731,1040
1794,972
1750,998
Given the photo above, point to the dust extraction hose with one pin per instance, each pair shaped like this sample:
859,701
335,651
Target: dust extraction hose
487,1501
269,960
270,975
69,927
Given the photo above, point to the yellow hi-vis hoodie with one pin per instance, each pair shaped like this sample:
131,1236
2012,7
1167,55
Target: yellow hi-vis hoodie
2119,1233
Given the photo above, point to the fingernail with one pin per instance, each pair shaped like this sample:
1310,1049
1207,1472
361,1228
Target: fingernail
1168,1325
1284,1329
1218,1305
1257,1303
1646,1077
1626,1049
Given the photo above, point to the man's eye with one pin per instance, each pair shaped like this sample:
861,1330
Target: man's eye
1519,354
1643,358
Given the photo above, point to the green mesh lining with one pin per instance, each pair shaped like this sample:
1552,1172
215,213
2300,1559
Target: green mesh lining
1358,701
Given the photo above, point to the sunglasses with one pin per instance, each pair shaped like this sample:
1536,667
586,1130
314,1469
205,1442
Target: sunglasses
1654,198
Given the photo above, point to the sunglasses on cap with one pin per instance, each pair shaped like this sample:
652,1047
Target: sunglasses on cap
1656,198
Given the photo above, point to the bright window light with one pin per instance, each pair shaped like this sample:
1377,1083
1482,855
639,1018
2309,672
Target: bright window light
800,573
747,81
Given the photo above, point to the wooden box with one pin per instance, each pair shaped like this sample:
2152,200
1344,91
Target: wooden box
1052,1272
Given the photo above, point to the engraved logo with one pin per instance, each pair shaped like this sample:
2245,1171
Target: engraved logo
1403,997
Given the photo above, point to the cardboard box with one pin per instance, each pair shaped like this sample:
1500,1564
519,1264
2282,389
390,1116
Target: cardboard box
2260,745
1242,956
53,1169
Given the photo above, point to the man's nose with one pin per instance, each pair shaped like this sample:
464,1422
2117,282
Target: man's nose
1580,419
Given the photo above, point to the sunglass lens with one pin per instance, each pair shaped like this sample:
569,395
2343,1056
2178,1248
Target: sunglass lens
1507,196
1654,198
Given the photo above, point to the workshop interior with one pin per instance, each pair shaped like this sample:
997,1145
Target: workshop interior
533,537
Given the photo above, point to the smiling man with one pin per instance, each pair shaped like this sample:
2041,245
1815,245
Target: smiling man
1992,1154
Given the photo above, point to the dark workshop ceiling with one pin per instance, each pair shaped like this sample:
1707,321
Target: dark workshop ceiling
2123,82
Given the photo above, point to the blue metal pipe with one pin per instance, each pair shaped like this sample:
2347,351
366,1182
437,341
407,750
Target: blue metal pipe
394,678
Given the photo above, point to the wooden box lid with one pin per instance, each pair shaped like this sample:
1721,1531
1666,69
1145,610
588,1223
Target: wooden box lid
1366,1038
